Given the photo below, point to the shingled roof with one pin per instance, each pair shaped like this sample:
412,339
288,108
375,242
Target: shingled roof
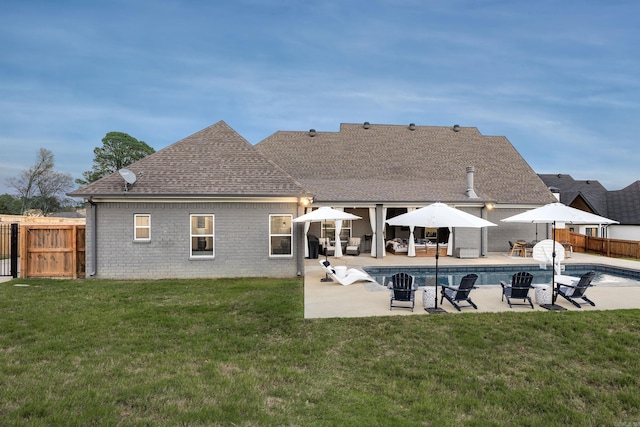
620,205
589,191
624,205
394,163
215,161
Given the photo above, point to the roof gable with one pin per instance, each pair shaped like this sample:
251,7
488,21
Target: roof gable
212,162
387,163
576,192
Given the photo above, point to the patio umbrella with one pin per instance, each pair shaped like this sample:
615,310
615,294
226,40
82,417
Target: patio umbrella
324,214
439,215
555,214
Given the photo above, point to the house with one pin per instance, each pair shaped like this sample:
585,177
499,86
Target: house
209,205
379,171
213,205
591,196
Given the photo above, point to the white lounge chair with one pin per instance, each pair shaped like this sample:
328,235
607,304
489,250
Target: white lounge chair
351,275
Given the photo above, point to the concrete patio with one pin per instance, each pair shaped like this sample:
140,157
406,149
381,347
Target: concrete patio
363,299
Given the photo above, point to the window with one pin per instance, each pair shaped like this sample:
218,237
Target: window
280,235
142,227
330,231
202,236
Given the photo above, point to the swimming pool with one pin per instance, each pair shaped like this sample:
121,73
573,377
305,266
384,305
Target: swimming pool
492,275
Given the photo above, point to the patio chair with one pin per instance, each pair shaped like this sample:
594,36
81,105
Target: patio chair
518,289
516,248
353,247
577,289
402,289
457,294
329,248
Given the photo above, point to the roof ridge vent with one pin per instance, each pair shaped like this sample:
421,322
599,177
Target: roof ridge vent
312,133
366,125
456,128
412,126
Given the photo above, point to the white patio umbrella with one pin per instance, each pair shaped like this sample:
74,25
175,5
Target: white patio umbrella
555,214
439,215
324,214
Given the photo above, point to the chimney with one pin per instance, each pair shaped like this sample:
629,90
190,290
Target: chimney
470,191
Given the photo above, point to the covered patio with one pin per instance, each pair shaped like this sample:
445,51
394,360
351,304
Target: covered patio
326,300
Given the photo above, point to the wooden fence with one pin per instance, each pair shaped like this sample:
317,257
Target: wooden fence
615,248
52,251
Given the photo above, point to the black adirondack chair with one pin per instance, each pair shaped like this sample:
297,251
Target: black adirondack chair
518,289
460,293
402,290
576,290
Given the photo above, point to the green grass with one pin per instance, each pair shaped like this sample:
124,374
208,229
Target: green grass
238,352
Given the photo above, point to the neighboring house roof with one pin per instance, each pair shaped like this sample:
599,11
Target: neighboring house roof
620,205
624,205
215,161
574,193
392,163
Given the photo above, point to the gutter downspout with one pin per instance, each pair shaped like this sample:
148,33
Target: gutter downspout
94,236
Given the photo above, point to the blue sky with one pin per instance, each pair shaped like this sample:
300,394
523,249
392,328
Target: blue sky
559,79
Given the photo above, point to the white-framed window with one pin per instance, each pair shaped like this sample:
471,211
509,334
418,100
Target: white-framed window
201,226
142,227
280,235
330,230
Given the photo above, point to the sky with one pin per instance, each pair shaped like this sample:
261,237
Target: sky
559,79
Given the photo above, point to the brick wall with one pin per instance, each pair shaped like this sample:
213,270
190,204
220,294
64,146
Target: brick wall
241,241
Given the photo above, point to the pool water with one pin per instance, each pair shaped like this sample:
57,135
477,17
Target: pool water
492,275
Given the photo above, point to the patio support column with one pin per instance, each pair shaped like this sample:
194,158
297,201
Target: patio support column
484,233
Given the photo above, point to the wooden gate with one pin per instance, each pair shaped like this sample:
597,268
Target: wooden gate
52,251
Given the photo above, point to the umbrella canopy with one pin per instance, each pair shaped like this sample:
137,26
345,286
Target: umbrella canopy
558,213
439,215
555,214
325,213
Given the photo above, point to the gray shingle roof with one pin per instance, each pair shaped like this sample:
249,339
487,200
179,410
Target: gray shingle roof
391,163
592,192
621,205
624,205
212,162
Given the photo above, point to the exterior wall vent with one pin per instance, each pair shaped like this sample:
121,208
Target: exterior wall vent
312,132
412,126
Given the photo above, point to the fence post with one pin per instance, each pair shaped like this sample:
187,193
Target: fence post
14,250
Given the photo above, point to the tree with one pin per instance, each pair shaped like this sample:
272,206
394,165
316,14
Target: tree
9,205
41,187
118,151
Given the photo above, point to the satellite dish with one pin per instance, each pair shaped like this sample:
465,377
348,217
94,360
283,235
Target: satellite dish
128,176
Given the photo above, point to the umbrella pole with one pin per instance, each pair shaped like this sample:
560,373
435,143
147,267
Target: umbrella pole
553,267
437,257
326,258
